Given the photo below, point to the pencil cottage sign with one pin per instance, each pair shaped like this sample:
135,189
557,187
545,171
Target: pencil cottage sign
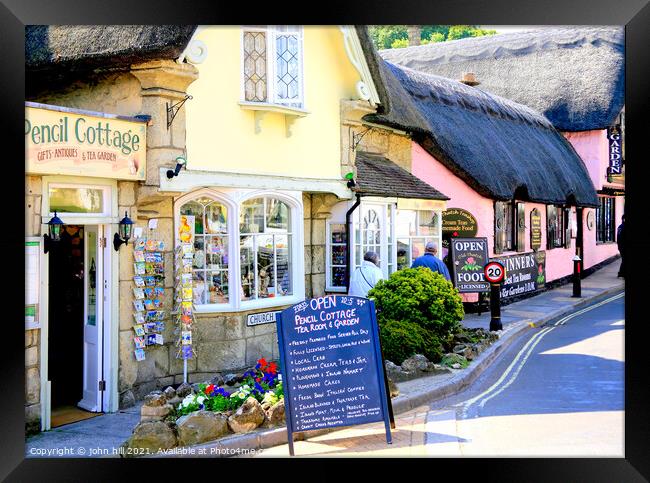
64,141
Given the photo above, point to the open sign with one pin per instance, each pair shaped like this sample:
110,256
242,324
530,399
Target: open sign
494,272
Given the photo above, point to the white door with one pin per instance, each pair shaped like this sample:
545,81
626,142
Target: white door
93,326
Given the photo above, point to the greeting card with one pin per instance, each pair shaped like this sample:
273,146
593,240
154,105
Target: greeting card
139,355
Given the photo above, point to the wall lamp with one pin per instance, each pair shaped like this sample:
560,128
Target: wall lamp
180,163
126,225
54,233
350,177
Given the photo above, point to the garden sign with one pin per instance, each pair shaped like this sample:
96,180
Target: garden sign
332,365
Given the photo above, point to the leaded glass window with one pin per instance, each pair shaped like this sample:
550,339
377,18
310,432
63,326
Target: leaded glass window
255,66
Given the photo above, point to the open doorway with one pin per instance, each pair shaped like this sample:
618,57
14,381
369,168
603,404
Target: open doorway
74,353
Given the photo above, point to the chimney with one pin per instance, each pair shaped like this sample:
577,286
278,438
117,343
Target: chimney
469,78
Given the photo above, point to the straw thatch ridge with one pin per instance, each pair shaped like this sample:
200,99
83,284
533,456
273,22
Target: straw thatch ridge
379,176
574,76
500,148
84,47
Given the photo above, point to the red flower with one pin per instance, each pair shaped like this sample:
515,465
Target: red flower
257,379
272,369
209,389
263,363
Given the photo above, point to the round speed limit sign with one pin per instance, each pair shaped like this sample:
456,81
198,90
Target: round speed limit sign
494,272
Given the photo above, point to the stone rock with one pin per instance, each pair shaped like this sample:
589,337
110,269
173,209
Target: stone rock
248,417
217,380
459,348
396,373
152,436
155,399
169,393
155,413
276,415
201,426
183,390
127,399
433,368
415,363
466,351
231,379
392,387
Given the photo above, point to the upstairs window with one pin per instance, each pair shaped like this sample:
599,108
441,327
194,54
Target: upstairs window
273,65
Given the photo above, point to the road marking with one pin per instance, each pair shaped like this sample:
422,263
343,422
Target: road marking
524,354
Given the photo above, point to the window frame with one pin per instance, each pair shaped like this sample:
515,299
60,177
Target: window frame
329,287
562,215
272,32
510,229
600,220
233,199
418,236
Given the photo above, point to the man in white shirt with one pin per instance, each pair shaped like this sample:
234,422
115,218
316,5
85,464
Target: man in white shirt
366,276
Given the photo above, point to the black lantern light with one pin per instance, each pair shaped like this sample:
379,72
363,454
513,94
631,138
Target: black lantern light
126,225
54,232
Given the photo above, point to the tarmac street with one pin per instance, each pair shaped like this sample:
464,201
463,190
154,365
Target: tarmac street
557,391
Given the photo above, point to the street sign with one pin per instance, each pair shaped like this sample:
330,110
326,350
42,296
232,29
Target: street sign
494,272
332,368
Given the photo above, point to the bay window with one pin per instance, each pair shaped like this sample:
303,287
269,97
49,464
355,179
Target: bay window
248,263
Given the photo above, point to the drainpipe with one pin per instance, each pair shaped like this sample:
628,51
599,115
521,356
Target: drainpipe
348,244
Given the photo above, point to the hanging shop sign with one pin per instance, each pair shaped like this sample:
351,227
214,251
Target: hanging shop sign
333,373
457,222
65,141
535,229
615,152
525,273
468,257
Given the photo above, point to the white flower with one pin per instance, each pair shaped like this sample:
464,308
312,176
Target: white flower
242,395
200,399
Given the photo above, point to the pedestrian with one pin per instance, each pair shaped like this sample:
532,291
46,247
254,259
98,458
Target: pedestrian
431,261
365,276
619,240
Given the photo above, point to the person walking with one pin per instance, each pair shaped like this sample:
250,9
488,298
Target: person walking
619,240
431,261
365,276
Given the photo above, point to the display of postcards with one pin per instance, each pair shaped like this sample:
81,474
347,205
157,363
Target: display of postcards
139,244
187,293
139,355
148,304
153,281
139,329
187,265
138,293
151,339
151,315
186,319
187,250
148,292
186,280
139,281
186,337
160,246
160,315
186,308
159,268
139,342
160,326
150,246
157,303
186,352
159,339
139,306
139,317
138,256
150,327
158,292
139,268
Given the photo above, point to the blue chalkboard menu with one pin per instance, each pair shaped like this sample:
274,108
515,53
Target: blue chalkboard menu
331,364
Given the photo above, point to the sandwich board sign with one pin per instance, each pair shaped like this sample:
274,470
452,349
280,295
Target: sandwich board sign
332,368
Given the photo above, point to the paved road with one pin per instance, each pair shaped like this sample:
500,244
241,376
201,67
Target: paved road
557,391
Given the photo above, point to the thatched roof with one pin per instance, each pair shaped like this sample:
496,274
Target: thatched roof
379,176
85,47
574,76
500,148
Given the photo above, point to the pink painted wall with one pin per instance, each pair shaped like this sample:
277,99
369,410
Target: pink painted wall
559,261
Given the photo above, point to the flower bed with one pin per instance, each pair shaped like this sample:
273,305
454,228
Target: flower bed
263,383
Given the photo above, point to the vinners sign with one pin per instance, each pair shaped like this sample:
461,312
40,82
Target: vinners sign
525,273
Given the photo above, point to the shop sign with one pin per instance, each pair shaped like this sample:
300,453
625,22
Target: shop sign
262,318
333,373
71,142
468,258
525,273
457,222
535,229
615,153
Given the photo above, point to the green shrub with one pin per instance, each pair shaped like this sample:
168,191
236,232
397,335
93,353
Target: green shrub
400,339
422,297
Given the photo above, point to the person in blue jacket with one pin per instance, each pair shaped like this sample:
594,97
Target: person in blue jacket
430,260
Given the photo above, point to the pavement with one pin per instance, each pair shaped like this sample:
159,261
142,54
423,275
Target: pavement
410,407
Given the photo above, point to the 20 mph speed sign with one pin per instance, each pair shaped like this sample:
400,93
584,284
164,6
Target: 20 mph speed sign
494,272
